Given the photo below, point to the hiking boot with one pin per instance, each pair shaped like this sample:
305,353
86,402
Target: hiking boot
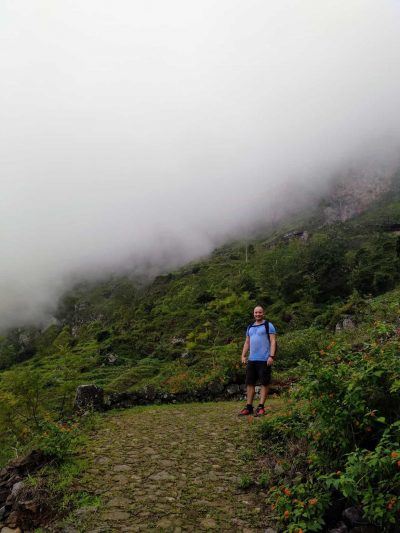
260,411
246,411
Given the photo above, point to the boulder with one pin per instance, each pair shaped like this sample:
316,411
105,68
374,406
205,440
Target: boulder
22,505
339,528
215,388
347,323
13,519
366,528
111,358
177,340
353,516
123,400
149,394
233,390
89,397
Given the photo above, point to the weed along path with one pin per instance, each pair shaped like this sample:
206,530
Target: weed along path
171,468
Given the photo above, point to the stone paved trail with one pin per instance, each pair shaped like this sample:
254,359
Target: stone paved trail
171,468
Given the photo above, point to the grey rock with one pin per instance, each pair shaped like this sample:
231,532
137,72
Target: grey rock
353,516
215,388
367,528
339,528
12,520
89,397
2,512
84,512
16,489
115,515
270,530
24,339
162,476
299,234
347,323
69,529
30,505
111,358
233,390
278,469
177,340
208,523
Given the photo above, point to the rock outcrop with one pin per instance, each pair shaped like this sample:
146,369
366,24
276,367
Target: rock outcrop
88,398
22,505
355,191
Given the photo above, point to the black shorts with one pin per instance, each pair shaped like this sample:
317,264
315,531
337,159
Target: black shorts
258,371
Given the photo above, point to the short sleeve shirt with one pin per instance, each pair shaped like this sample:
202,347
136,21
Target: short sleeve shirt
259,343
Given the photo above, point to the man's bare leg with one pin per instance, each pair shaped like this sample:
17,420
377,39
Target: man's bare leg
264,393
250,394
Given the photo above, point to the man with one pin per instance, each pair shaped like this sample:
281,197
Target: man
261,359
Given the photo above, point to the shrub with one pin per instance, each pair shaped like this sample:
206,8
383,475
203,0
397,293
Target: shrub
347,408
297,345
351,396
277,430
245,482
300,507
372,478
56,440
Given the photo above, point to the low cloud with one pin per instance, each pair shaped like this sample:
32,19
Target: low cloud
148,132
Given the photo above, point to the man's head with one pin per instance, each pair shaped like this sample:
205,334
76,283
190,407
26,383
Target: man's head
258,313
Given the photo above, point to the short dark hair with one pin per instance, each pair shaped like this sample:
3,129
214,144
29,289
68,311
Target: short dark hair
259,305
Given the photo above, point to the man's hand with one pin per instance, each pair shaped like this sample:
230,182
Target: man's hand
270,361
244,359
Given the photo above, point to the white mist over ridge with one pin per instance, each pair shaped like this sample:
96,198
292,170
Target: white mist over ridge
146,133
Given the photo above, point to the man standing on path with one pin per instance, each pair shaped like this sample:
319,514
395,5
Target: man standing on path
262,347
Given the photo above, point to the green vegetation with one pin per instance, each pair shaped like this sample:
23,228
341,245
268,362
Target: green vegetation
183,332
343,418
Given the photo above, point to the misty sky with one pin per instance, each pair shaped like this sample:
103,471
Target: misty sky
148,131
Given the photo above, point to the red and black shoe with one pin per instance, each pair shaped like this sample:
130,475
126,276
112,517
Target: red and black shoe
246,411
260,411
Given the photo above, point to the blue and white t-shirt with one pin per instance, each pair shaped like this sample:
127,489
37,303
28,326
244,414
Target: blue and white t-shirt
259,344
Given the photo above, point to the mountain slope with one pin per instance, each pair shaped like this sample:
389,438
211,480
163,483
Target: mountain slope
183,332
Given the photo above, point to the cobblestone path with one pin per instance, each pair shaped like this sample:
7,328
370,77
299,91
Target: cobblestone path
171,468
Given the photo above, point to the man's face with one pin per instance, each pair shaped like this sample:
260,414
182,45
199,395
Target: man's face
258,313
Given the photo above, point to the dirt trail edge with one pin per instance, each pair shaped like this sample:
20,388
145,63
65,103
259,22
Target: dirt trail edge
171,468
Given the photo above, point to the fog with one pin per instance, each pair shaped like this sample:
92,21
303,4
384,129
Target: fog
146,133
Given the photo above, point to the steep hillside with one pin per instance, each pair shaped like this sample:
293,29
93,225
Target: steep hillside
333,292
328,452
182,333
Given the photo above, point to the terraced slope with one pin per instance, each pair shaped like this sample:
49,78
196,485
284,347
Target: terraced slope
171,468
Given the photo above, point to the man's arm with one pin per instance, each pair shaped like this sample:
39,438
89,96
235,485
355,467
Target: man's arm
272,348
246,347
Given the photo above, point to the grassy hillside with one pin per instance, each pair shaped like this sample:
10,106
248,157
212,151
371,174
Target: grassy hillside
337,443
184,331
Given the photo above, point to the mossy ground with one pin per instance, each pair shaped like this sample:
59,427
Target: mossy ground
172,468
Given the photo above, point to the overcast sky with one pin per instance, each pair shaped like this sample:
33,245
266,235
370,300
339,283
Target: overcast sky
136,131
